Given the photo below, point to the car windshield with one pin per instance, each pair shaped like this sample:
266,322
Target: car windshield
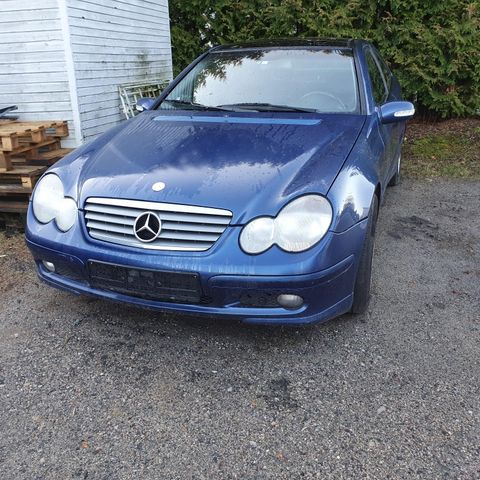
282,79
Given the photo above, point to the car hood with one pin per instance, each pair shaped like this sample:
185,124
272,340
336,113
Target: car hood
249,163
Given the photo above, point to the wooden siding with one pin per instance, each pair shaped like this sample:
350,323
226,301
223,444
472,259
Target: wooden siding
32,61
64,59
114,42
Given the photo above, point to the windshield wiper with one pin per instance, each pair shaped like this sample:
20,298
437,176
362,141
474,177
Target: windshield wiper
269,107
197,106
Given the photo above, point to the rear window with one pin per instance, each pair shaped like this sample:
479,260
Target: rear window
322,79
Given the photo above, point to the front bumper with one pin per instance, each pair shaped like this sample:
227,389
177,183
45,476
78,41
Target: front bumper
226,275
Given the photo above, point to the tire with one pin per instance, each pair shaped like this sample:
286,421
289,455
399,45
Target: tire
361,291
395,180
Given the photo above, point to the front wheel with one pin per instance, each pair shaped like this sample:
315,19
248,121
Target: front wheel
361,291
395,180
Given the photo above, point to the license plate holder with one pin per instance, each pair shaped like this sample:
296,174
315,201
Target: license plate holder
180,287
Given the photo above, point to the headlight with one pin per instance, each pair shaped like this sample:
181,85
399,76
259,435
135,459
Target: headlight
299,225
49,203
257,236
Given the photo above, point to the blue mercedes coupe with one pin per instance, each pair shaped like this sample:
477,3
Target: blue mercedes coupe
249,189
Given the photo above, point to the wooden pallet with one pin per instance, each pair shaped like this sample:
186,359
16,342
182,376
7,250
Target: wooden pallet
24,175
12,206
46,154
27,149
26,153
42,156
16,187
29,140
53,155
14,135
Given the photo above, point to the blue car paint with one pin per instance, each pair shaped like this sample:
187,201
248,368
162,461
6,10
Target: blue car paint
251,165
236,120
246,167
220,278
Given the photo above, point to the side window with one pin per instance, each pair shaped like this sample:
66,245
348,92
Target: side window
378,84
387,74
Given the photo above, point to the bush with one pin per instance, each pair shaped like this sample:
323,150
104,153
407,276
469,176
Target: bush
433,46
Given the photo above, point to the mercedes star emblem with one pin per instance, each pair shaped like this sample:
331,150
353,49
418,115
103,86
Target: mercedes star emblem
158,187
147,227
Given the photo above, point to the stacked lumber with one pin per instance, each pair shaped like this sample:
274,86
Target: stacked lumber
27,149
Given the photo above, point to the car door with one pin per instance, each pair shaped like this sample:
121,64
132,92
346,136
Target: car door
394,94
381,94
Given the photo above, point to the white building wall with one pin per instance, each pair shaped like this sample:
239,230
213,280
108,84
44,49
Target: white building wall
64,59
32,60
114,42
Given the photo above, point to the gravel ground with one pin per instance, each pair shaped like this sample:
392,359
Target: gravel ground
90,389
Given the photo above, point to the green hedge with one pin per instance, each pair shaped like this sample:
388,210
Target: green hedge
432,45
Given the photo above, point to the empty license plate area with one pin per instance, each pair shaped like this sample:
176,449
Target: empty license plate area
182,287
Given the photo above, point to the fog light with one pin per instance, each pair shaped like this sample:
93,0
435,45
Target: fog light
290,301
49,266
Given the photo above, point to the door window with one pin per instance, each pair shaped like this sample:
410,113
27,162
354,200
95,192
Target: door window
387,74
378,83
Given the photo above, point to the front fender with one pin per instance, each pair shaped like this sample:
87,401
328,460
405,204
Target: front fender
352,191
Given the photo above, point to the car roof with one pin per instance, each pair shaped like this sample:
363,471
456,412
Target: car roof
290,42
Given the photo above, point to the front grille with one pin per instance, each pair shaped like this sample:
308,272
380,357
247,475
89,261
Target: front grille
178,287
184,227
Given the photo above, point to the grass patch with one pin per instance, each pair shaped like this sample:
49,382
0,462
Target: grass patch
443,150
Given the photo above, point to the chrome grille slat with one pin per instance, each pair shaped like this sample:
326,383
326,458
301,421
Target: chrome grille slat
192,236
110,228
110,218
161,245
191,227
181,226
126,212
185,217
164,207
184,227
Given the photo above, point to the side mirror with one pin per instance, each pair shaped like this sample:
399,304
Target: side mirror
144,103
392,112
